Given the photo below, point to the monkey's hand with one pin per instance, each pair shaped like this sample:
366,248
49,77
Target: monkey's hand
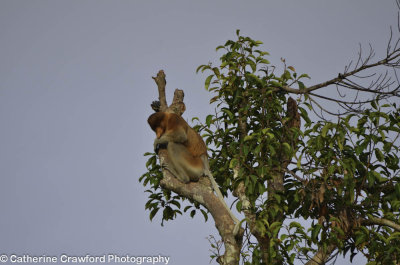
156,105
158,146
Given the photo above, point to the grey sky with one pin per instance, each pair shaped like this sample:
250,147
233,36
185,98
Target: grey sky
75,89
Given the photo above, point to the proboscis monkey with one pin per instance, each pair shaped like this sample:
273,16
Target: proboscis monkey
187,151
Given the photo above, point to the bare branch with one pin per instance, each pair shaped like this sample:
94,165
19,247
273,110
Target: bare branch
381,221
381,85
340,101
177,105
322,255
341,77
293,174
161,82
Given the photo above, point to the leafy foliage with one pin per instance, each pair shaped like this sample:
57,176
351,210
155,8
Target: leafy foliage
327,183
162,198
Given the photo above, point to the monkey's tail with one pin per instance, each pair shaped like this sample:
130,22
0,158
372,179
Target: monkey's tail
219,194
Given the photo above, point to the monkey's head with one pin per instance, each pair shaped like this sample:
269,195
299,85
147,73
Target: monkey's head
157,122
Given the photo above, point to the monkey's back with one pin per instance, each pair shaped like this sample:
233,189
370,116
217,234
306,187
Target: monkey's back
196,146
195,143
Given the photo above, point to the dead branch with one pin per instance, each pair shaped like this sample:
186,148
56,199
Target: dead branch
366,79
161,82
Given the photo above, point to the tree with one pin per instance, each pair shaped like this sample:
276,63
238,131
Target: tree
310,181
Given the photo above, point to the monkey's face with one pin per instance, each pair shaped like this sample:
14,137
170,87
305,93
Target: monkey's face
159,131
158,123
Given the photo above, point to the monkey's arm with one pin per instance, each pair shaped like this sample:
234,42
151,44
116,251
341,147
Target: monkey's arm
176,136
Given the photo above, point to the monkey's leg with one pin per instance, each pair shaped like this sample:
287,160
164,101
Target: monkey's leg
171,169
176,155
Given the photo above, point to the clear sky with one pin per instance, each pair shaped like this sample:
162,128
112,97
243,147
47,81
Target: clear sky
75,89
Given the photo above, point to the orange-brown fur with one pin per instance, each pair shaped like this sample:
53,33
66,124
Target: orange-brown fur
187,152
186,149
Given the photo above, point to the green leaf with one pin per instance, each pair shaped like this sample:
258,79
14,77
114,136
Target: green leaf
270,136
248,138
204,214
275,84
287,147
233,163
272,150
373,104
192,213
246,150
168,213
212,100
361,122
304,115
150,161
199,68
301,85
207,82
176,203
209,120
257,150
299,161
239,206
379,155
153,213
228,112
304,76
252,65
325,129
315,232
378,176
397,189
371,179
216,72
295,224
286,75
219,47
261,53
360,238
